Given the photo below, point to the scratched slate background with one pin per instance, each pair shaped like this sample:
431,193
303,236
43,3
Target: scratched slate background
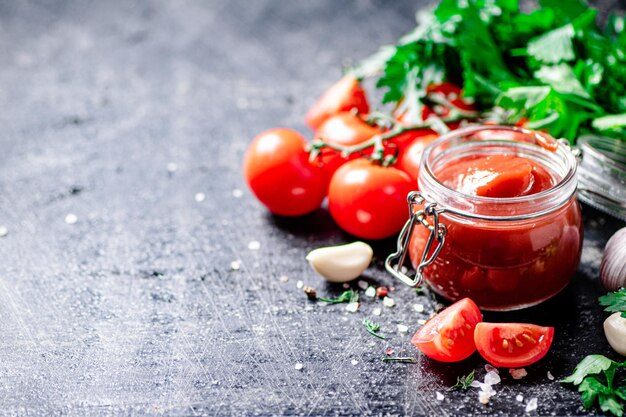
134,310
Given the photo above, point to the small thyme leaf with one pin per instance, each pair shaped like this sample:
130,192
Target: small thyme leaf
373,328
348,296
406,359
463,382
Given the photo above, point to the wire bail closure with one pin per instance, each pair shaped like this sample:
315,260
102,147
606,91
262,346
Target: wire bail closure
437,234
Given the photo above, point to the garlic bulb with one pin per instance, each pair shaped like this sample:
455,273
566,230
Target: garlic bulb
341,263
615,332
613,266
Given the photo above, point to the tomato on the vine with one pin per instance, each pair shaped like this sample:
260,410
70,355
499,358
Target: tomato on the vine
410,158
277,169
368,200
512,345
343,96
343,129
449,336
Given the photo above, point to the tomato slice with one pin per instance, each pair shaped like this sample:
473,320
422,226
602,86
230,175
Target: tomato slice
345,95
449,336
512,345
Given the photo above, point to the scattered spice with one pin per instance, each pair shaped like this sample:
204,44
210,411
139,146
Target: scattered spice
372,328
377,311
71,218
463,382
518,373
389,351
310,293
382,292
370,292
407,359
388,302
531,405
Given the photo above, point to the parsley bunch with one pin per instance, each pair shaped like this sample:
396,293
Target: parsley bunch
553,66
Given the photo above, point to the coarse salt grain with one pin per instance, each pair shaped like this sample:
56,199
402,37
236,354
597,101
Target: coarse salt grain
377,311
352,307
492,378
519,398
418,307
421,321
234,265
440,396
402,328
531,405
363,284
518,373
172,167
484,397
200,197
237,193
354,362
370,292
491,368
298,366
550,376
3,231
254,245
388,302
71,218
299,284
346,286
284,279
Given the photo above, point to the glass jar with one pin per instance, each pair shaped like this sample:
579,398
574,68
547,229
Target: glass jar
503,253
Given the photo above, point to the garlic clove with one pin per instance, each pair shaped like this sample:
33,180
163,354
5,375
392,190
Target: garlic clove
613,266
615,332
341,263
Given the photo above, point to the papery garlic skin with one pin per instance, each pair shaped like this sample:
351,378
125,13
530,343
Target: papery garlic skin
613,266
341,263
615,332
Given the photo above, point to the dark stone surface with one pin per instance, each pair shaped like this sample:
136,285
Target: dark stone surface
134,310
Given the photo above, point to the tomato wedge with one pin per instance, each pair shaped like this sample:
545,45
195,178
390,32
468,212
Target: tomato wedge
345,95
512,345
449,336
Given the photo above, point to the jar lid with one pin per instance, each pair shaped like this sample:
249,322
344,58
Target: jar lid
602,174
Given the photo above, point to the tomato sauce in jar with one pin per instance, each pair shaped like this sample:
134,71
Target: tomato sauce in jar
513,226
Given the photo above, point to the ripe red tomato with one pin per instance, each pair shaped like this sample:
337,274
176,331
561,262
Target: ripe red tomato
345,95
512,345
343,129
277,169
368,200
449,336
410,158
453,94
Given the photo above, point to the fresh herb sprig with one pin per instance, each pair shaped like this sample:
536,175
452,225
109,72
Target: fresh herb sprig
463,382
595,378
553,67
348,296
373,328
615,302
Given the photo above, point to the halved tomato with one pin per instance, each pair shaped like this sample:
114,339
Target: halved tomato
345,95
512,345
449,336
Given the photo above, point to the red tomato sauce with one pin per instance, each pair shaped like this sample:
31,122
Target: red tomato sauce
502,265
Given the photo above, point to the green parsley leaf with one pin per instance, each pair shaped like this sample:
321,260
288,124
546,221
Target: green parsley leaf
608,403
614,302
349,296
463,382
372,328
592,364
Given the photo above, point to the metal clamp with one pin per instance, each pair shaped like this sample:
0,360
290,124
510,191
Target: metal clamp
437,234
